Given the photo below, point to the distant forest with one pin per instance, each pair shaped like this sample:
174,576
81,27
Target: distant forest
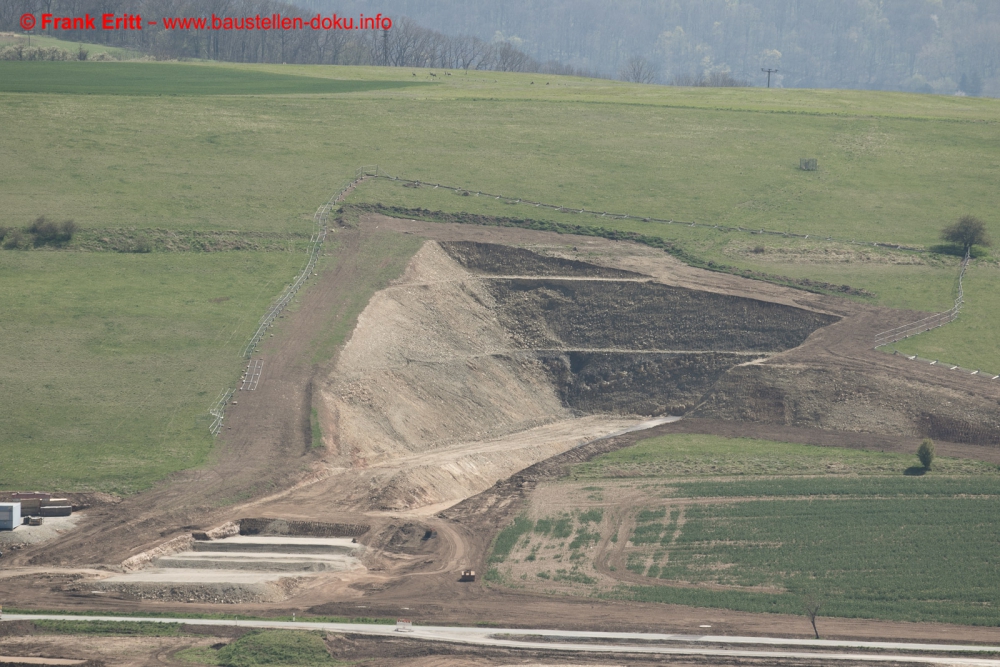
406,44
939,46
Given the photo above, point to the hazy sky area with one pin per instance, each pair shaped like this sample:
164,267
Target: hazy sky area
940,46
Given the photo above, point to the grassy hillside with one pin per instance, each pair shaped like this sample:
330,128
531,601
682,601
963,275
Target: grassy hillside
136,79
111,361
270,143
44,41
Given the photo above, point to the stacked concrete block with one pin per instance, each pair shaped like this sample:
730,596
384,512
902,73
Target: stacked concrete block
36,503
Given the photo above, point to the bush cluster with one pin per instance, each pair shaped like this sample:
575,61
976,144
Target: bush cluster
39,233
19,52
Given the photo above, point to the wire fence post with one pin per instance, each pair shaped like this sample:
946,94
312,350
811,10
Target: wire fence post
321,217
930,322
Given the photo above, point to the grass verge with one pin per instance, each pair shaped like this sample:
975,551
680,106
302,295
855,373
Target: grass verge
200,615
279,648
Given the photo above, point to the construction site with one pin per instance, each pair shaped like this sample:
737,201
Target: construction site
498,359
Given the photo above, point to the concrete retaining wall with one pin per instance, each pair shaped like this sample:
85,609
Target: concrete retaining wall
300,528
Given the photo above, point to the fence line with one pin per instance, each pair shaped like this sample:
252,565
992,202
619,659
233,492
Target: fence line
625,216
321,217
930,322
951,367
218,410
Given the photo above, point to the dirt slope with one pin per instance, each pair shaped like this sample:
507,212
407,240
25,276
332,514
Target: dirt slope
434,400
428,365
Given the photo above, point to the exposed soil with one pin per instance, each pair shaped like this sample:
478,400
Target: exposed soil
644,383
480,373
355,649
504,260
646,316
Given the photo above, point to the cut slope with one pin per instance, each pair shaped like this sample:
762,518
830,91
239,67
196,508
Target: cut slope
428,365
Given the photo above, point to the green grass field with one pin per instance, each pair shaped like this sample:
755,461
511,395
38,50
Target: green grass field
136,79
763,524
903,558
683,456
111,361
120,628
149,147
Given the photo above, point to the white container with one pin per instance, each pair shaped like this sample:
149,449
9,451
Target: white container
10,516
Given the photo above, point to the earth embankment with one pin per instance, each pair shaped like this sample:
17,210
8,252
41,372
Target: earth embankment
470,368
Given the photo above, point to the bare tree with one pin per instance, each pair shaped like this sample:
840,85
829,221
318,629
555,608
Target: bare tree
637,70
811,606
723,80
712,80
469,52
509,59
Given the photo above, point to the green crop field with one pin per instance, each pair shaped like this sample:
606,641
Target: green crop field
684,456
244,150
756,526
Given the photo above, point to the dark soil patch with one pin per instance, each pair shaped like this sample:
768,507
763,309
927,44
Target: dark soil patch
631,315
644,384
495,259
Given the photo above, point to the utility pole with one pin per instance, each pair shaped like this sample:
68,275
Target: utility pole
768,70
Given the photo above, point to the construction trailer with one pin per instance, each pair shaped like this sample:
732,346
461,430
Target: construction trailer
468,575
10,516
